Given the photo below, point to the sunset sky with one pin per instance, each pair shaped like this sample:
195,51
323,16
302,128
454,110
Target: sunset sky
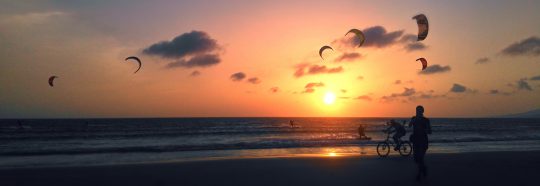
254,58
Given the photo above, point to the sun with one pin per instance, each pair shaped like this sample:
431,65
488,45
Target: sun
329,98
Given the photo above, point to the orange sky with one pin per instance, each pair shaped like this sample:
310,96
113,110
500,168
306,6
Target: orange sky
85,45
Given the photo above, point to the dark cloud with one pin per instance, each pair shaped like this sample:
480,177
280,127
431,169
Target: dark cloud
410,47
274,89
376,36
254,80
195,73
239,76
304,69
204,60
411,43
522,84
482,60
349,56
535,78
343,91
498,92
457,88
360,77
434,69
397,82
192,43
364,97
343,97
529,46
193,49
406,92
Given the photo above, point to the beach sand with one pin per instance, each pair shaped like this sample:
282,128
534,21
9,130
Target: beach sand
483,168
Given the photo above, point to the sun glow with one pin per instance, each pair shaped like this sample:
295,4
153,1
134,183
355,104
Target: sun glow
329,98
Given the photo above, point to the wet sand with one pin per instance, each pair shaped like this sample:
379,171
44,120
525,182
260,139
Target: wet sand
483,168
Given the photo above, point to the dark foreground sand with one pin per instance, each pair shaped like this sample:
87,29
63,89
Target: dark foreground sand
486,168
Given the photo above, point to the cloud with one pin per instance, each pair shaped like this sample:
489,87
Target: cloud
364,97
310,87
376,36
523,85
195,73
254,80
343,91
204,60
535,78
274,89
397,82
192,49
349,56
457,88
360,77
498,92
239,76
434,69
529,46
406,92
305,69
482,60
410,47
192,43
411,43
309,90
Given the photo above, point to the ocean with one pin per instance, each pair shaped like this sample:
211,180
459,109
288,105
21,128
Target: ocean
87,142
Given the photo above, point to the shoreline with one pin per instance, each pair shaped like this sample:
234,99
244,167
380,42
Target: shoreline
111,159
474,168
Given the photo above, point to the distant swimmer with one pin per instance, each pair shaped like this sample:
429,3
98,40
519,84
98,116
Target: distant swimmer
291,122
362,133
19,125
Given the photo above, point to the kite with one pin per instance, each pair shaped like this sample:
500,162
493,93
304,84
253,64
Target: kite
358,34
137,60
51,80
423,26
322,50
424,62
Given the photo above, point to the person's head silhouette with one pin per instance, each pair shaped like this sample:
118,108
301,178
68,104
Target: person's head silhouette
419,110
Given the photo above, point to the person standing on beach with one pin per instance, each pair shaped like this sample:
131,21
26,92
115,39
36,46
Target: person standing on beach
419,138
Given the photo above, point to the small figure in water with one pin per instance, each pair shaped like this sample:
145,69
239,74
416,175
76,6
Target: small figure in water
399,131
361,132
291,122
419,138
19,125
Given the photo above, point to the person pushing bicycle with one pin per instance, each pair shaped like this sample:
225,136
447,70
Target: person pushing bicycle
398,130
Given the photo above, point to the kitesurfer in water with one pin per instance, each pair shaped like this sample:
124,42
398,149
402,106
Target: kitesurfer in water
362,132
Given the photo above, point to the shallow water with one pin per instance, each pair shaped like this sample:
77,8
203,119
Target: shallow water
73,142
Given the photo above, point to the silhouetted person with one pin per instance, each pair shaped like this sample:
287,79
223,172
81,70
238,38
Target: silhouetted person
19,125
419,138
361,132
291,122
399,131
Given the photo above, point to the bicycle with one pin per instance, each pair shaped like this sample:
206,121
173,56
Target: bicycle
383,148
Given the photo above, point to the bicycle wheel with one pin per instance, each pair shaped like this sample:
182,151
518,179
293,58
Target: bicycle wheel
383,149
405,149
